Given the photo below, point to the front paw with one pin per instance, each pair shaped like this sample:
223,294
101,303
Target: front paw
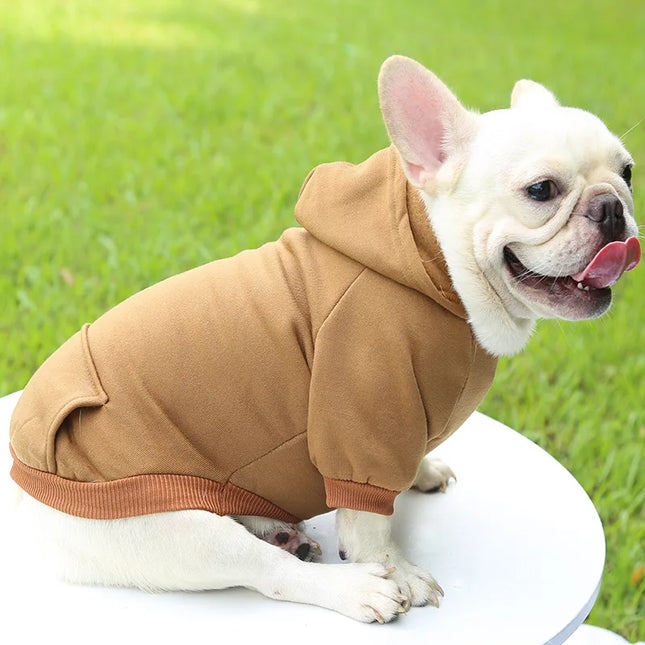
433,475
366,537
365,592
414,583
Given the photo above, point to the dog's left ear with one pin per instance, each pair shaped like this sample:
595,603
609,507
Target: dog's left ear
531,94
425,120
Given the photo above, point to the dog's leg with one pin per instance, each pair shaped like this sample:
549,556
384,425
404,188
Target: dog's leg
197,550
289,537
433,475
366,537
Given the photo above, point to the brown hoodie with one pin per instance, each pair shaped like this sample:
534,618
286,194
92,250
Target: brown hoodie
312,373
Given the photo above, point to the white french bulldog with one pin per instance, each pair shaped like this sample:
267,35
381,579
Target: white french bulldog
532,207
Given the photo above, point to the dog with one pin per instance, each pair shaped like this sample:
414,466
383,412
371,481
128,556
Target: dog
228,403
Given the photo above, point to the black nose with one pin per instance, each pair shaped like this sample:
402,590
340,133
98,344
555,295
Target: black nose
607,211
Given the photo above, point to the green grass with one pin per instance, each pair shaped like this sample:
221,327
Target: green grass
138,139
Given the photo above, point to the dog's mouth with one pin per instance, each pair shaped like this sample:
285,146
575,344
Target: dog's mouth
583,294
555,286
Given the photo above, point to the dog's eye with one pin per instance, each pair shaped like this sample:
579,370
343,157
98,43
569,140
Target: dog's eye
542,191
627,175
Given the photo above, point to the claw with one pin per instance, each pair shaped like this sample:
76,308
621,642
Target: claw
404,604
433,600
444,484
315,547
390,571
379,617
435,586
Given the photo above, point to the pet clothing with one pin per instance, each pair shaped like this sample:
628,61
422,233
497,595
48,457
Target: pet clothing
312,373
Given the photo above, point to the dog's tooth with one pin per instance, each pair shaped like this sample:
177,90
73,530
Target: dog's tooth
587,288
580,286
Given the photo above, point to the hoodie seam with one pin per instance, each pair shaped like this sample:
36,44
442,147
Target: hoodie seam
338,301
399,208
469,373
255,460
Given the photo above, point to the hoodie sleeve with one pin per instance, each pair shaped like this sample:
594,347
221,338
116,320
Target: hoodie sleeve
367,428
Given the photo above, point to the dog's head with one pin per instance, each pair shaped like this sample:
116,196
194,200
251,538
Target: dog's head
531,205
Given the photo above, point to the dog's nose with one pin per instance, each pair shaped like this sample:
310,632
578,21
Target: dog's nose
607,211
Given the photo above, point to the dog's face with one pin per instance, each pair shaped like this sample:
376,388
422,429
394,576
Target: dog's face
554,189
532,205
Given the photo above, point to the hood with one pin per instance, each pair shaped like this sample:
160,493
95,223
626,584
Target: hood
370,213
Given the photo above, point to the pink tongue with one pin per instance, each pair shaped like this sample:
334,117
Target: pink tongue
610,263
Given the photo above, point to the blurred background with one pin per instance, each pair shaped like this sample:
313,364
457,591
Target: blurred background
139,139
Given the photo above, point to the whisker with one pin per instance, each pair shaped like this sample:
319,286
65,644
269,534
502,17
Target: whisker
539,270
550,280
632,128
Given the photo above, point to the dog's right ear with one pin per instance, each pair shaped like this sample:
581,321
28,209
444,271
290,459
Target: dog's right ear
532,94
425,120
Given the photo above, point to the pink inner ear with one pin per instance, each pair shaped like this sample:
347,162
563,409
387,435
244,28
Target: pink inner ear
417,122
416,174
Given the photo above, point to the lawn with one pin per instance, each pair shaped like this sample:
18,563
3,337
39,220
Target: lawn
138,139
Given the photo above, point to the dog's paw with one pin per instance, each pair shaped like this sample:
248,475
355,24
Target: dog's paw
281,534
417,585
433,475
366,592
289,538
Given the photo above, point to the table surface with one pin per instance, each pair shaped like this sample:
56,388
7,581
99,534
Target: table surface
516,544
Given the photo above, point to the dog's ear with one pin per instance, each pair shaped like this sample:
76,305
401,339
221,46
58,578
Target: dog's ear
531,94
424,119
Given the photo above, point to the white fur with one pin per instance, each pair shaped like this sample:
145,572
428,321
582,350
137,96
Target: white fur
472,171
198,550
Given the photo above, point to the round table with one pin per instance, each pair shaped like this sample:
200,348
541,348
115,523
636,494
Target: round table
516,544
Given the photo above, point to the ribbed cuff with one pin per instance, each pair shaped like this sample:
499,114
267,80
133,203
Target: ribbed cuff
141,495
359,497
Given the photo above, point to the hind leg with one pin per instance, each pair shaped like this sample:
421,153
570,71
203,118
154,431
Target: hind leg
197,550
287,536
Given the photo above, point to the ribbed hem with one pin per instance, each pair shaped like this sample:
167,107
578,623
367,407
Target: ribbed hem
141,495
359,497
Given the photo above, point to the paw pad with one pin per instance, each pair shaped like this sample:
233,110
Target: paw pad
294,542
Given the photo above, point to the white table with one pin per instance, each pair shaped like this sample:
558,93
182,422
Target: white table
516,544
